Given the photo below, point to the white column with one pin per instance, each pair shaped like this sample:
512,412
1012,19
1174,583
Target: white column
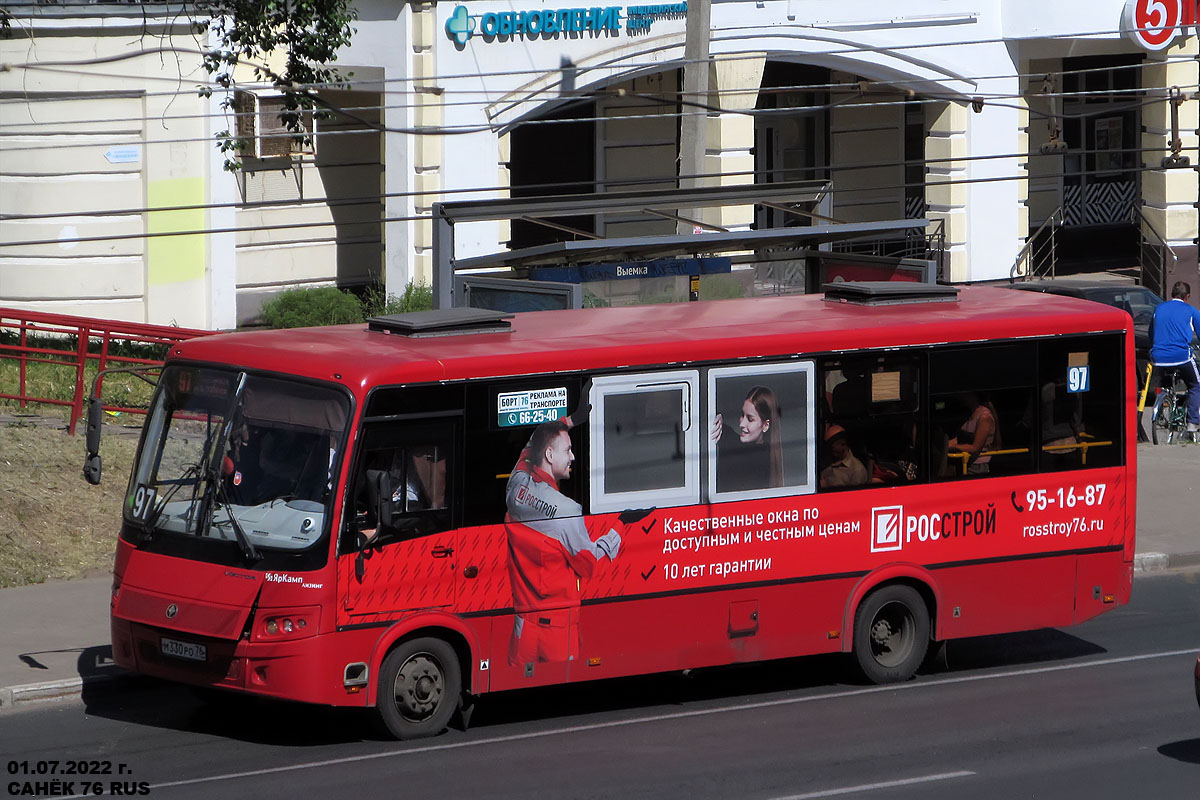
730,146
945,194
995,208
1169,195
223,195
427,148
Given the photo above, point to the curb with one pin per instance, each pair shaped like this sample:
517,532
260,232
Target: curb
13,698
1151,563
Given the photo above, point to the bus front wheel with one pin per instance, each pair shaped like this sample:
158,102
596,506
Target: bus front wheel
419,686
891,634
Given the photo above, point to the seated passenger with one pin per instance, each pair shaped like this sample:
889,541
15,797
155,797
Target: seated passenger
845,470
980,432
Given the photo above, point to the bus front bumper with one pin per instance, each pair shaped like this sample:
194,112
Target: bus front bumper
292,670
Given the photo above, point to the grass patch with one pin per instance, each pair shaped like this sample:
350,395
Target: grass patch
53,524
57,381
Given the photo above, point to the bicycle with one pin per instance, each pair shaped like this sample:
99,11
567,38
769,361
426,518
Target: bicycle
1168,420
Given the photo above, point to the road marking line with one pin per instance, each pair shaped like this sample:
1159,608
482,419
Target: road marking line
672,716
870,787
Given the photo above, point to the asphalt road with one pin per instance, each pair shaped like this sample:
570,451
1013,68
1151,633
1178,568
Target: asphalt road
1103,710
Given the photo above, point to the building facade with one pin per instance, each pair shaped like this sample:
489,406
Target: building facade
116,203
1000,120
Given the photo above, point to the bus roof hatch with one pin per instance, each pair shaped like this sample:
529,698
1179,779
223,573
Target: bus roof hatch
442,322
886,293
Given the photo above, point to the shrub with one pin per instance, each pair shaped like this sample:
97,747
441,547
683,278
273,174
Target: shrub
417,297
721,287
301,308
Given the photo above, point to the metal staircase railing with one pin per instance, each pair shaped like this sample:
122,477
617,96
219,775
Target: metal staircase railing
926,245
1039,257
1157,257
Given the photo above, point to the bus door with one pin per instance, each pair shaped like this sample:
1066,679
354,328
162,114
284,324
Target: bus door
398,548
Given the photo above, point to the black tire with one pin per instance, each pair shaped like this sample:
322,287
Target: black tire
891,634
1158,433
1162,419
420,683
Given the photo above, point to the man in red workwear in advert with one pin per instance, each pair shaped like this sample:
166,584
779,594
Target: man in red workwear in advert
550,550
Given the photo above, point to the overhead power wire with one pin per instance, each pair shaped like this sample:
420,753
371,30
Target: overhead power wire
653,100
943,181
632,66
706,108
401,218
349,82
949,163
657,98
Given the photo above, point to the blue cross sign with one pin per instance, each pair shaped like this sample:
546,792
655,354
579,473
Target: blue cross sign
460,26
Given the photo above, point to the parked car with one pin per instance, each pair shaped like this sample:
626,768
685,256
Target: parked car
1137,300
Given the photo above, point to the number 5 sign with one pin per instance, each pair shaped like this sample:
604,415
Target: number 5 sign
1154,24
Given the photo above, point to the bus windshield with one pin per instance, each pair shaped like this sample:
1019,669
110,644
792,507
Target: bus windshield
239,457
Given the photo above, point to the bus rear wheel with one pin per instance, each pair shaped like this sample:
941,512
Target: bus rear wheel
419,687
891,634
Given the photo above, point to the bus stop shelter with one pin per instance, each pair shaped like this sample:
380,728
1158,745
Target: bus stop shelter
804,200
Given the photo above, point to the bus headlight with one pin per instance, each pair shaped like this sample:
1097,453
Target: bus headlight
282,624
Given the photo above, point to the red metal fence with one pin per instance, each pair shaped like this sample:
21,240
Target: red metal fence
65,341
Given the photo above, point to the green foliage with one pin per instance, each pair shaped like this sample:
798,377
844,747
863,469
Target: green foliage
302,308
308,33
50,370
417,297
594,301
721,287
69,344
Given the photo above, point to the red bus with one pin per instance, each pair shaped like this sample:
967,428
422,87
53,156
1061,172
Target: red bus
411,513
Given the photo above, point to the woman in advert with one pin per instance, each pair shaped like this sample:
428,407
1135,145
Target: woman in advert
751,455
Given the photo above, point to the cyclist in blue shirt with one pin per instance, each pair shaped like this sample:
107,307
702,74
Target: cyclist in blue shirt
1175,325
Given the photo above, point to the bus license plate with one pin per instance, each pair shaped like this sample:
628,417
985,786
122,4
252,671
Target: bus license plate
189,651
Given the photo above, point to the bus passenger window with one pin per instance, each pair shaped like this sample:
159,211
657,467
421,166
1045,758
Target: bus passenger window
978,398
1078,410
645,437
872,425
760,430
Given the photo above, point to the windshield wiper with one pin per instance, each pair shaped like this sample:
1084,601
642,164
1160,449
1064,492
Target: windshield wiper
215,486
149,524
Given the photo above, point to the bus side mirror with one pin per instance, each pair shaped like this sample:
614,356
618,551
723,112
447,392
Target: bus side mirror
95,420
91,469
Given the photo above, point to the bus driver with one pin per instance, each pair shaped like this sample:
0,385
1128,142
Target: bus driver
550,550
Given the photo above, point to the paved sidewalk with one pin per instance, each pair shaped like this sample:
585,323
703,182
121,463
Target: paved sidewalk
54,636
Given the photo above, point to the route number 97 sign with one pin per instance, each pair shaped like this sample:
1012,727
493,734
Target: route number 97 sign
1154,24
